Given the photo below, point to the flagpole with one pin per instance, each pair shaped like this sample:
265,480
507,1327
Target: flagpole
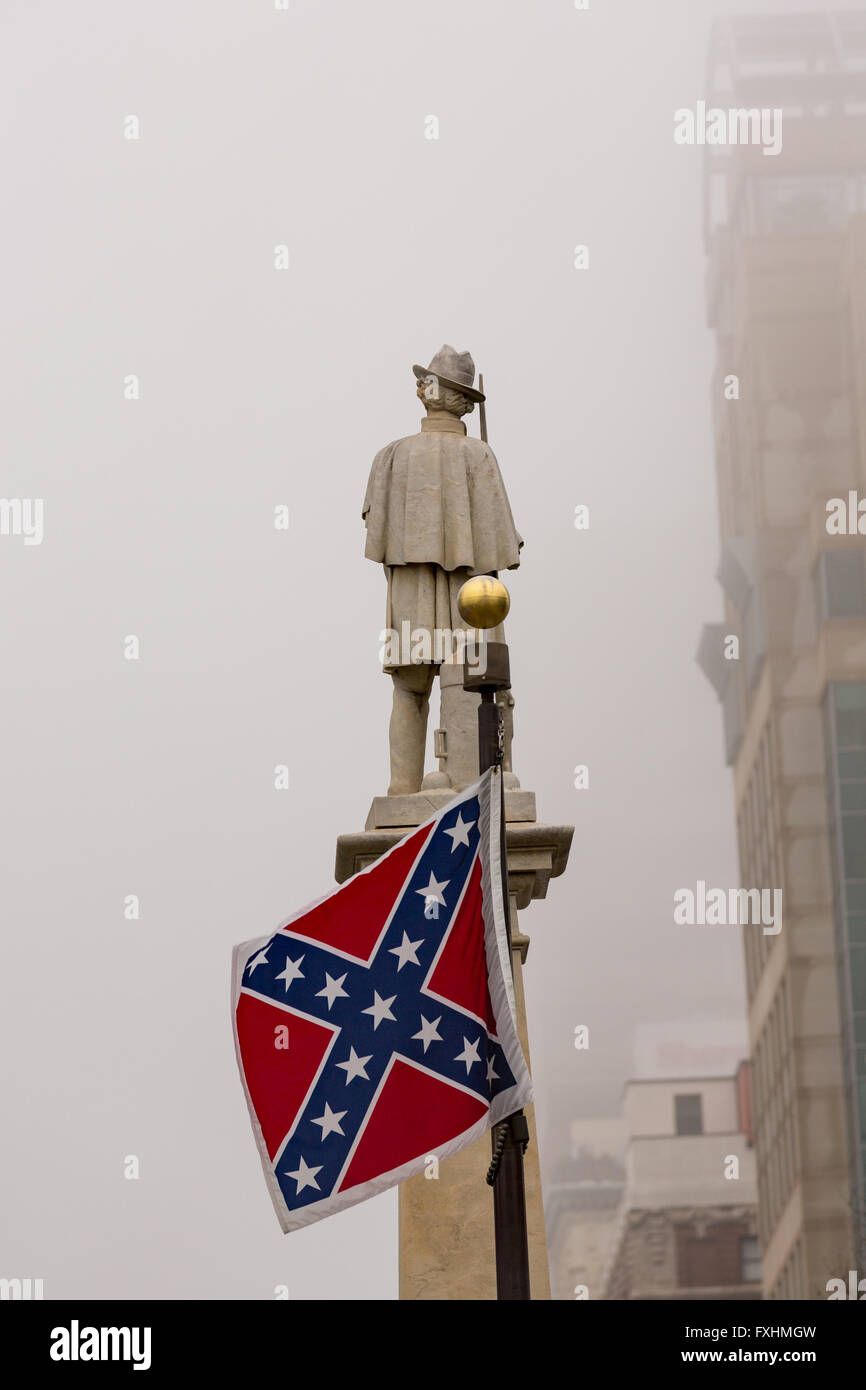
511,1136
483,603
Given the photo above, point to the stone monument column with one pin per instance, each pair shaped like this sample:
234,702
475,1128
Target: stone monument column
446,1223
437,514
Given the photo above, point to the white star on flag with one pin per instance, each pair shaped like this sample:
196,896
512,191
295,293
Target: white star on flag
469,1055
380,1009
260,959
304,1176
330,1121
429,1032
491,1074
291,972
355,1066
333,989
433,892
459,832
405,952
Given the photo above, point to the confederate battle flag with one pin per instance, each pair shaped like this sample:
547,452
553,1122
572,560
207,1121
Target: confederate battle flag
376,1027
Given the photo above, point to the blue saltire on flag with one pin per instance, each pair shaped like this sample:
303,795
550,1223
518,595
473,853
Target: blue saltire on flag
376,1027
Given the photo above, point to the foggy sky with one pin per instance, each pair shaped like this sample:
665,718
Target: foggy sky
260,387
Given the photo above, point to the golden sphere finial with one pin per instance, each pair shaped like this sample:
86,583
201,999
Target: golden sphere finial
483,601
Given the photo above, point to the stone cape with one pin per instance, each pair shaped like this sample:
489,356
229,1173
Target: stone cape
438,498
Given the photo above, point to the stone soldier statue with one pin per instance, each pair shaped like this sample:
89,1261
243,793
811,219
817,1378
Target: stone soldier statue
436,513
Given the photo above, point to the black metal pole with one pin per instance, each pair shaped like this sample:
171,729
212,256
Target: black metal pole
510,1137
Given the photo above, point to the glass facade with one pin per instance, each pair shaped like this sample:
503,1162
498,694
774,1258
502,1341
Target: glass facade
840,584
845,724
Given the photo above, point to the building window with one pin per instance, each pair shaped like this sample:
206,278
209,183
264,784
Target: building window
688,1114
750,1260
845,725
798,205
840,584
851,714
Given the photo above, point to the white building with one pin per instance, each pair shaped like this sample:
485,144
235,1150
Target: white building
686,1225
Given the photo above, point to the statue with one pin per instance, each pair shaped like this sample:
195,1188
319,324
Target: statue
436,513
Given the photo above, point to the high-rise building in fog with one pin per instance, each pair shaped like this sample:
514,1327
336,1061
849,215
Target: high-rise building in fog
786,293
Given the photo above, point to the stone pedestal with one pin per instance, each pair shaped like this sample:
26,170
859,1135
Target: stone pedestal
446,1224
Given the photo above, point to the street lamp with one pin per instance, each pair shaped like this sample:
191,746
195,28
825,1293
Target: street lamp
483,603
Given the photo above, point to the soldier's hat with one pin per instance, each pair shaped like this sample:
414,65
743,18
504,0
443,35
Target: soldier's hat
454,369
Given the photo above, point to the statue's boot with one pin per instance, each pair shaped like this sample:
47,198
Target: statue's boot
408,728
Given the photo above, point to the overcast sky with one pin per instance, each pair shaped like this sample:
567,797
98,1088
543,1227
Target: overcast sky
154,777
